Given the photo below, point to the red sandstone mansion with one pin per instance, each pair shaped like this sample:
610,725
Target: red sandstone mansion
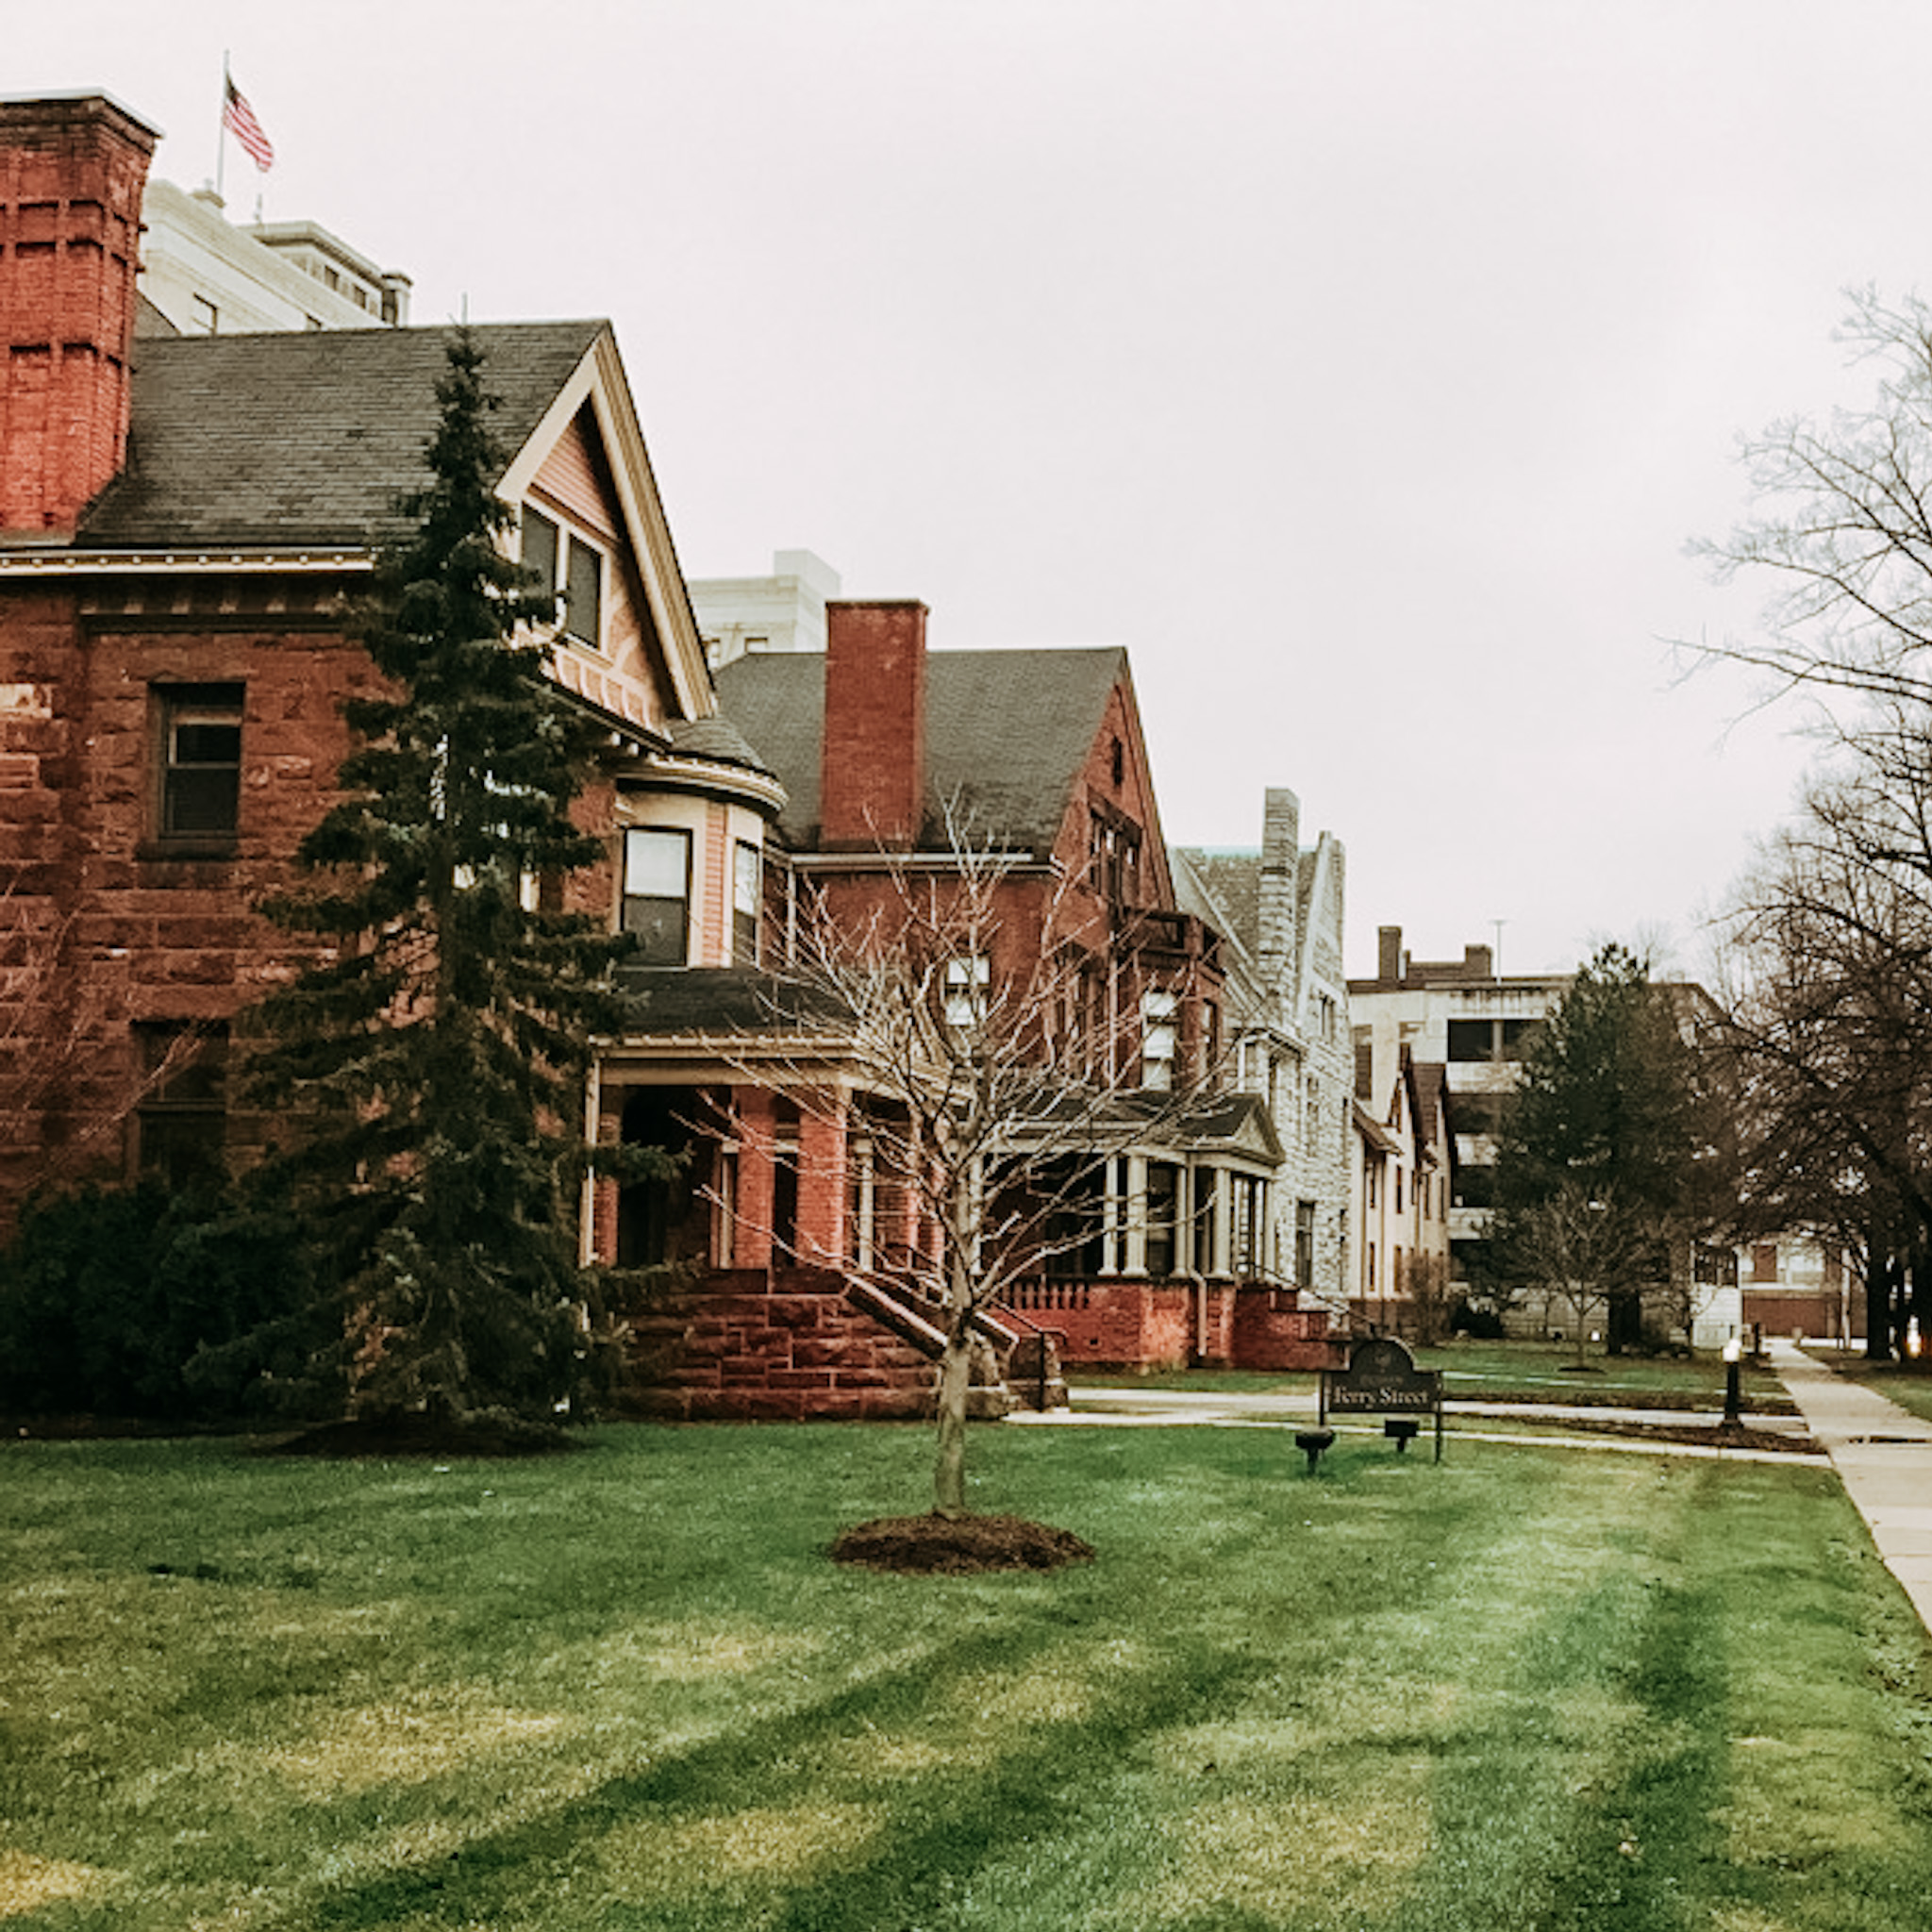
181,520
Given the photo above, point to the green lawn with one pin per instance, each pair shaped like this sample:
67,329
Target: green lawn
1524,1688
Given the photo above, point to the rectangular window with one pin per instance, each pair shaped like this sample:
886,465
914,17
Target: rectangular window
583,594
1305,1244
571,567
1472,1040
200,728
1159,1033
657,895
181,1121
745,892
1163,1207
543,547
1517,1035
967,979
1764,1261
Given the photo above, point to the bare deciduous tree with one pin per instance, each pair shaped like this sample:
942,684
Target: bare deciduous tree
1008,1041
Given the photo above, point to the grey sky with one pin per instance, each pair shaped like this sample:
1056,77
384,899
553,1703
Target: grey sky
1362,367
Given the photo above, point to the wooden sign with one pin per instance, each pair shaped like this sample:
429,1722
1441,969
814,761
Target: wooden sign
1381,1378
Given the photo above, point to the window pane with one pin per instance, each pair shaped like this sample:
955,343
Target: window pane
657,891
202,801
201,759
584,593
656,864
660,927
745,905
1471,1039
539,547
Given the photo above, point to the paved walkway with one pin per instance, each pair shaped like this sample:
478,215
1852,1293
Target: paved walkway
1883,1456
1249,1410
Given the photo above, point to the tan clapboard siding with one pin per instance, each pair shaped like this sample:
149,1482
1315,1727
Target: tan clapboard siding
573,480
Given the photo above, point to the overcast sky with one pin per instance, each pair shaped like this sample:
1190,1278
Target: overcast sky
1363,367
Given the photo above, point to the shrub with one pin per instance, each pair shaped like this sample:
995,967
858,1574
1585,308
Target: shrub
141,1302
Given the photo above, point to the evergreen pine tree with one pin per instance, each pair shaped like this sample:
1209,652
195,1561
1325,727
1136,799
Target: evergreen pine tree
431,1063
1605,1122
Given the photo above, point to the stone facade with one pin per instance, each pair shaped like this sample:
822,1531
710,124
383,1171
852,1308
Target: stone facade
1280,911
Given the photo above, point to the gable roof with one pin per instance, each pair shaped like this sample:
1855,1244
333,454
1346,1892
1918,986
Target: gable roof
1007,734
305,438
1223,889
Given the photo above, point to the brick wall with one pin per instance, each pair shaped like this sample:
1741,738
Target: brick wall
1271,1330
72,173
1129,1324
143,932
745,1345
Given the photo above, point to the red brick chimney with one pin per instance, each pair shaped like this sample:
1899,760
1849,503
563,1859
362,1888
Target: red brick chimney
872,792
73,169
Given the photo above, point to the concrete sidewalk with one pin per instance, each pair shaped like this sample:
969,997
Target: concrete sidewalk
1883,1456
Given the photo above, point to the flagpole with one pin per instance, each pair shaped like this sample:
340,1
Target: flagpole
222,138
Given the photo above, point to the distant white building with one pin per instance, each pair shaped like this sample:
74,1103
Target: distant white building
785,611
207,277
1460,1015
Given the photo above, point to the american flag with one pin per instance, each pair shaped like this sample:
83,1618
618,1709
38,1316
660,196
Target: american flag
238,117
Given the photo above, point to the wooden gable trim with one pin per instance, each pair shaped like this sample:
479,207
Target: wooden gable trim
599,381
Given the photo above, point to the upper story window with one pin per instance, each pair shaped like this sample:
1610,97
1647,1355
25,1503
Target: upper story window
572,567
746,891
1114,858
967,980
657,895
200,733
1159,1035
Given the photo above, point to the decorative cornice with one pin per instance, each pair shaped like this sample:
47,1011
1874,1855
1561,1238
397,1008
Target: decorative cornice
310,560
668,771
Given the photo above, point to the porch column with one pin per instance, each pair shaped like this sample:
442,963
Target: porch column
602,1190
1134,1220
822,1180
752,1247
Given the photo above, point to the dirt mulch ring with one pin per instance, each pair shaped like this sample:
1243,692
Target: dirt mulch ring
1695,1435
958,1545
1584,1396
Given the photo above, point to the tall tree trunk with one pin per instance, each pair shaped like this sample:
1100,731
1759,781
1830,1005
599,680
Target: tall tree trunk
956,1378
955,1364
1877,1303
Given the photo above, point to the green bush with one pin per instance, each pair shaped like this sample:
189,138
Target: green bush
141,1302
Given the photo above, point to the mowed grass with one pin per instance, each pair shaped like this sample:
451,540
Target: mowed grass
1524,1688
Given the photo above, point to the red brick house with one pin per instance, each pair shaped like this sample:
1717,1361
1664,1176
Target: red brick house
181,520
892,756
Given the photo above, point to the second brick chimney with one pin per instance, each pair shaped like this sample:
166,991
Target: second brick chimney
73,169
872,782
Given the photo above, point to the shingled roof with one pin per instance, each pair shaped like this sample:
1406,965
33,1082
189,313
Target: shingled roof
305,438
1007,734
